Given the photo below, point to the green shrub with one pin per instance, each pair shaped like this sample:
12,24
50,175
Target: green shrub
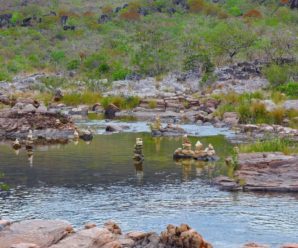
276,74
57,56
290,89
152,104
86,97
5,76
73,64
244,113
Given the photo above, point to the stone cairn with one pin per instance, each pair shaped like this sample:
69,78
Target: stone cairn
138,151
207,154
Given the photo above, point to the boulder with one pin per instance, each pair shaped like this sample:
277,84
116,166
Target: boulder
89,238
291,104
111,110
231,118
113,128
263,172
58,95
269,105
42,233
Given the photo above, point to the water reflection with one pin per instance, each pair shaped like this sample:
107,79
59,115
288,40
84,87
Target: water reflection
100,181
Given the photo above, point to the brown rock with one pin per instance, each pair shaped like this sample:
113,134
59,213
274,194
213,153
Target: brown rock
40,232
113,227
111,110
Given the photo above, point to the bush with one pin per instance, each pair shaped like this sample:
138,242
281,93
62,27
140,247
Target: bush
244,113
73,64
86,97
278,115
4,76
290,89
57,56
276,74
152,104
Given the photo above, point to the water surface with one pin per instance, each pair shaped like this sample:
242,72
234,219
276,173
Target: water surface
99,181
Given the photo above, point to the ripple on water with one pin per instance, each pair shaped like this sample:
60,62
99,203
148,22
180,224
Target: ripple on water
97,182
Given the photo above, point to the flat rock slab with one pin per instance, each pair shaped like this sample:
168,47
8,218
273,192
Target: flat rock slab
90,238
263,172
42,233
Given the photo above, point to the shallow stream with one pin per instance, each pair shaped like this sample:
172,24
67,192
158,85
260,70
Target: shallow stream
99,181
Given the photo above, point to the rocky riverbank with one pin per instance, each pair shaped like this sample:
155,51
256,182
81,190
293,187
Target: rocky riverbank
60,234
263,172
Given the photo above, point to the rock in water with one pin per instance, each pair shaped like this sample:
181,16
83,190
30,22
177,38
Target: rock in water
111,110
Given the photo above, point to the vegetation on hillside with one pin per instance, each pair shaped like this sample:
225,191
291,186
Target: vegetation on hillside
147,37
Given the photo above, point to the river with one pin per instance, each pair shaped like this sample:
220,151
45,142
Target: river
98,181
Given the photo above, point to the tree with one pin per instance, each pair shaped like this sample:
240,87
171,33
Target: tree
229,39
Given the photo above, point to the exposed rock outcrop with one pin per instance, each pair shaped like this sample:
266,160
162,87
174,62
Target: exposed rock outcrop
263,172
60,234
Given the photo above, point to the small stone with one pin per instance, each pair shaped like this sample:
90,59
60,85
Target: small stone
90,225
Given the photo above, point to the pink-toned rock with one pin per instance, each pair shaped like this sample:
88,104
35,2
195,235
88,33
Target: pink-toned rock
89,238
263,172
136,235
25,245
4,223
43,233
90,225
268,172
113,227
290,245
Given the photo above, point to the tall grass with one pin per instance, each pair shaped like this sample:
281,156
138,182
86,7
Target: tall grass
271,145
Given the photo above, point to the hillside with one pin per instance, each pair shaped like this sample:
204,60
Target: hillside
110,39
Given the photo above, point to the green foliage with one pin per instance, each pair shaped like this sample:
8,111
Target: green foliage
57,56
86,97
54,82
150,45
270,145
73,64
16,17
3,186
200,62
229,39
121,102
4,76
290,89
276,74
152,104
